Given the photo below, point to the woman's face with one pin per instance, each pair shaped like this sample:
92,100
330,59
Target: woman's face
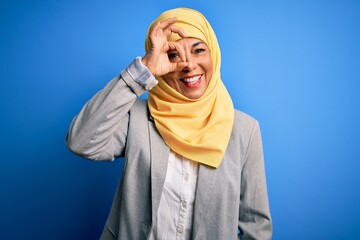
192,80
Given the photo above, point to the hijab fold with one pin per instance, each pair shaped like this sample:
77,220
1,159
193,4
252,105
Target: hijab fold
198,129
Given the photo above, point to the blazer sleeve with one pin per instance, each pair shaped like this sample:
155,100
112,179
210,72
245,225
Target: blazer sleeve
254,214
99,131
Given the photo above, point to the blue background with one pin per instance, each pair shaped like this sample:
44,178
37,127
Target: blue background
293,65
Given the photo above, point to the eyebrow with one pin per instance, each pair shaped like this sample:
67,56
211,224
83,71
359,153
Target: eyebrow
197,43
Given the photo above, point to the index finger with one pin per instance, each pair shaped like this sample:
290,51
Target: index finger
168,27
164,24
168,22
178,30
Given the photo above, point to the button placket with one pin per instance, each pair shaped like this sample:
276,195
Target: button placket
177,202
184,194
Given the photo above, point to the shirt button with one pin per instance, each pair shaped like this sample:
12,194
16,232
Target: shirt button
180,230
186,177
184,204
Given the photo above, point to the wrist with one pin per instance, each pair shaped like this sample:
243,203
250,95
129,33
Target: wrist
141,74
147,64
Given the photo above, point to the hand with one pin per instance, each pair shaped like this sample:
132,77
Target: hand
156,59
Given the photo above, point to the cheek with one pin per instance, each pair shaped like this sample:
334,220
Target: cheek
170,79
209,70
208,63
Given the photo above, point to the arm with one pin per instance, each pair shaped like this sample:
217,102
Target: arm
254,213
99,131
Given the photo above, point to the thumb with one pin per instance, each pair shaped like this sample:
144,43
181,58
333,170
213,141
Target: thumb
178,66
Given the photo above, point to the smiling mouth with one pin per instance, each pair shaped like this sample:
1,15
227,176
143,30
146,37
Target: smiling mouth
192,81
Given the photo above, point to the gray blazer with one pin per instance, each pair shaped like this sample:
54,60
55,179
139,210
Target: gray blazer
116,123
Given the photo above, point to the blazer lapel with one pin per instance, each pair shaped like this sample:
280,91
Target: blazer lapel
159,161
204,190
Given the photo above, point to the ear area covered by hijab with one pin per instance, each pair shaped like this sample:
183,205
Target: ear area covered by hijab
198,129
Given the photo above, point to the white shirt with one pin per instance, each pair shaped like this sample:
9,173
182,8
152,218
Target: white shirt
175,213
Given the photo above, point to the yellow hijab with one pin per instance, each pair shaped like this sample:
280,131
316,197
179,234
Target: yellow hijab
198,129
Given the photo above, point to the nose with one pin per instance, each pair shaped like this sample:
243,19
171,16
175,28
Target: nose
191,63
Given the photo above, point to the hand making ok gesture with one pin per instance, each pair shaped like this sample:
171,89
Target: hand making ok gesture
156,59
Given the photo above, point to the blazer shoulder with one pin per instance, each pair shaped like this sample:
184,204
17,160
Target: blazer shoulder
139,113
244,124
244,119
140,107
140,103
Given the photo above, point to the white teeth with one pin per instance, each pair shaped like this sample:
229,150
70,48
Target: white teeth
192,79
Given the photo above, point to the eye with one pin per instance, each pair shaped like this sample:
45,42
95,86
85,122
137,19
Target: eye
173,55
200,50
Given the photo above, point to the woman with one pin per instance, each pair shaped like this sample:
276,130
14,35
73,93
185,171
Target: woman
193,165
